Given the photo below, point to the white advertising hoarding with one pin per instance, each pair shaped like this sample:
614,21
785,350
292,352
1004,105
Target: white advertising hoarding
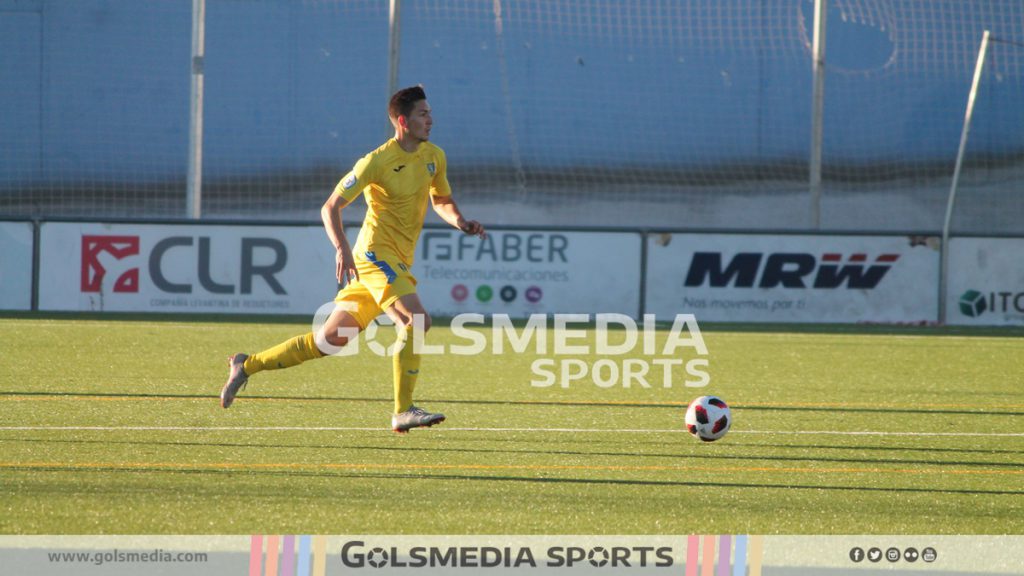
524,272
798,278
986,282
520,273
15,265
185,268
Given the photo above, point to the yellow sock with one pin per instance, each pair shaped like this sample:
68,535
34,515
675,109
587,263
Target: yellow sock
285,355
406,369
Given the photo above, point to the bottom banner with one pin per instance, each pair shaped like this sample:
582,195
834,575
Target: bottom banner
689,555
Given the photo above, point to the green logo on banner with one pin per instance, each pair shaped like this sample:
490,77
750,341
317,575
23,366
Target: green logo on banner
484,293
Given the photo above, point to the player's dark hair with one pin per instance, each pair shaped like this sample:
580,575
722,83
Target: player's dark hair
403,101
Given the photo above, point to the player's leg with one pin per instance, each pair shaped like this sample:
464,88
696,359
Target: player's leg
410,317
395,290
341,327
355,308
406,362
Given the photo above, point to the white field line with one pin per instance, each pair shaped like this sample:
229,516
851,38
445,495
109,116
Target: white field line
469,429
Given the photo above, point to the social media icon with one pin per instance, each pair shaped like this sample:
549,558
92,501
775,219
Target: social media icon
857,554
875,554
911,555
460,292
508,293
534,294
929,554
892,554
484,293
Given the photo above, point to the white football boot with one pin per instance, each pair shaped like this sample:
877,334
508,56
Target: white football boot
414,418
237,379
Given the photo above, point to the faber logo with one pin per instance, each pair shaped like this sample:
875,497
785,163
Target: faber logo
116,248
788,270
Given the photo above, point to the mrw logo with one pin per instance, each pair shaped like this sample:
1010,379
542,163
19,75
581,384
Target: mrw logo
788,270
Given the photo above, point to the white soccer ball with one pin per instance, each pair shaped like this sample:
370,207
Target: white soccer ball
708,418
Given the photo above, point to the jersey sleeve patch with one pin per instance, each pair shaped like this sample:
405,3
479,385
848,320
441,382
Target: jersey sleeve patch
349,182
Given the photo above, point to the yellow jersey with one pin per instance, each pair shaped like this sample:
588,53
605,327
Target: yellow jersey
397,186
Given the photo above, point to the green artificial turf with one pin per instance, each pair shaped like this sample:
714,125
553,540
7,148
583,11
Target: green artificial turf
113,426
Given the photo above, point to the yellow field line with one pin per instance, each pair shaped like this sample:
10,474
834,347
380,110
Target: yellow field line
129,398
491,467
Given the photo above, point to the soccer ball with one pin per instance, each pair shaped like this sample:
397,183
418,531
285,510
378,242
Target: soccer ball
708,418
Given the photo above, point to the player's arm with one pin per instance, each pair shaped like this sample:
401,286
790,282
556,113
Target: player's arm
445,206
348,189
330,213
448,210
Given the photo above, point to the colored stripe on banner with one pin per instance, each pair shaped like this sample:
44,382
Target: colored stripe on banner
303,568
692,554
724,548
707,565
754,558
319,555
255,555
272,556
739,563
288,556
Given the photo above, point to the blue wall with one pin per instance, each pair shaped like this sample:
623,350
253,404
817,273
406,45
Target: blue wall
102,88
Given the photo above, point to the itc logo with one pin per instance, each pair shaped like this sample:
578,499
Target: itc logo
93,271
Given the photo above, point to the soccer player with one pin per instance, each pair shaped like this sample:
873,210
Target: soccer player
396,180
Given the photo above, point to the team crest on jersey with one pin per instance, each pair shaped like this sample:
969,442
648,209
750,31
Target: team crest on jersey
431,168
348,182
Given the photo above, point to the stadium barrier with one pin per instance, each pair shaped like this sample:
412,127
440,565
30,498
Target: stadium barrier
986,281
525,271
794,278
16,254
237,267
142,267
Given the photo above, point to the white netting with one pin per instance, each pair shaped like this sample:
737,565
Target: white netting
582,112
95,107
898,77
990,194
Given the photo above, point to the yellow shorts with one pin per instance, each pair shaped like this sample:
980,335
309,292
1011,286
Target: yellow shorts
382,281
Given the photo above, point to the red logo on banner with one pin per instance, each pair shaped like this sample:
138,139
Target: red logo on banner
93,271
